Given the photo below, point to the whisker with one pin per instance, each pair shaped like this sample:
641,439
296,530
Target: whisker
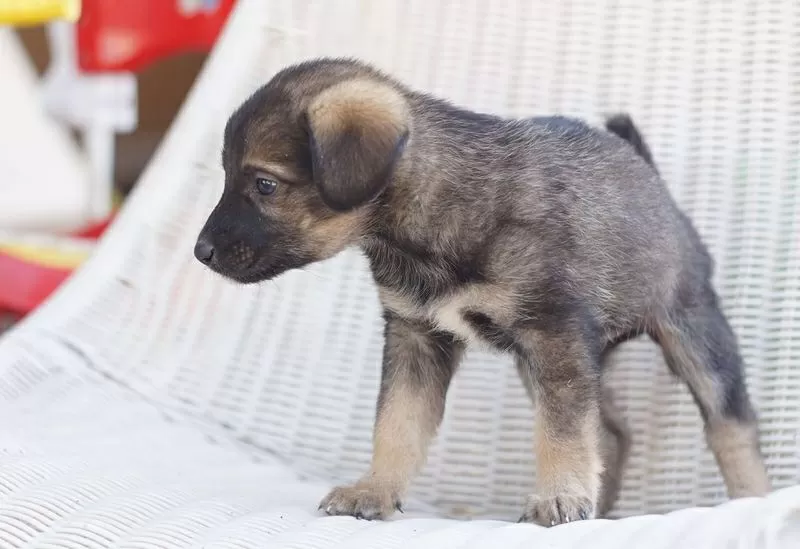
315,274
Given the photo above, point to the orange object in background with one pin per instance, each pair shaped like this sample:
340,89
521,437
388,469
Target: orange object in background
116,35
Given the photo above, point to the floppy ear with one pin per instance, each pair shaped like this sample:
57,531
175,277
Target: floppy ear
358,130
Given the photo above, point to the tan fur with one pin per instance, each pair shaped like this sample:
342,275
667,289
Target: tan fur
410,409
568,470
403,432
615,441
330,236
734,442
357,127
404,429
567,433
735,447
358,104
280,171
568,464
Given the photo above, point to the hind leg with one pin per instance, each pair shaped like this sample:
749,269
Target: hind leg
615,441
700,348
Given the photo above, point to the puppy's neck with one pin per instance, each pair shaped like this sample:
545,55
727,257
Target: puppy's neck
402,216
437,193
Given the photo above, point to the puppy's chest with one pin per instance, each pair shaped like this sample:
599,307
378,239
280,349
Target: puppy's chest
452,313
413,270
416,284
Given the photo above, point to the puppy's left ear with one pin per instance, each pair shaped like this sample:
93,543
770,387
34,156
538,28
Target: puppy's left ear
358,130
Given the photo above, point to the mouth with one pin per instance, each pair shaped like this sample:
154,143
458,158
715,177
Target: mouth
262,266
250,275
256,276
260,271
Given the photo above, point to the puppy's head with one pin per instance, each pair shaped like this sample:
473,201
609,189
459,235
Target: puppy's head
304,159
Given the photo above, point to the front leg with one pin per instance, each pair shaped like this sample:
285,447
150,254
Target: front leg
566,382
418,364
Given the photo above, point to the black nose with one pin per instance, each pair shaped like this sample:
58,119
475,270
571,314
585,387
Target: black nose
204,250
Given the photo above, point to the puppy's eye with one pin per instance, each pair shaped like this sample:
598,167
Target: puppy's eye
265,185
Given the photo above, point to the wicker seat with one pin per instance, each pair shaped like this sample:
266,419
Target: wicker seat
151,404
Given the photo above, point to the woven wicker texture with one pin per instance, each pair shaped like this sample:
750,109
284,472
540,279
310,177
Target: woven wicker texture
216,403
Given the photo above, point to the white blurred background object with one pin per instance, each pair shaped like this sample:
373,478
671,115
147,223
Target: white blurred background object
99,106
44,177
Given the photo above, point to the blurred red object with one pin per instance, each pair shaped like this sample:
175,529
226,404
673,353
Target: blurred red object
115,35
95,230
112,36
28,279
26,284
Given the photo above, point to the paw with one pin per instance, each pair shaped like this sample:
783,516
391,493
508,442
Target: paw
557,510
361,501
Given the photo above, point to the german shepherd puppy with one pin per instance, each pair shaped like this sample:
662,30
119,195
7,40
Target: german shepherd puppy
540,237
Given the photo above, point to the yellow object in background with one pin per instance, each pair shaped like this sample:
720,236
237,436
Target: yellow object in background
35,12
51,257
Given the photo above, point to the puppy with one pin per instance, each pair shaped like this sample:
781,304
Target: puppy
543,238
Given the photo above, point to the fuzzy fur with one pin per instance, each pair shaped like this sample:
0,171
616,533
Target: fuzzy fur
541,237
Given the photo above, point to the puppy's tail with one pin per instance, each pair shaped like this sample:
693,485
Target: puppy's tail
622,125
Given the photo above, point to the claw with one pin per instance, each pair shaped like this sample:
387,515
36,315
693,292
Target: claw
583,515
398,506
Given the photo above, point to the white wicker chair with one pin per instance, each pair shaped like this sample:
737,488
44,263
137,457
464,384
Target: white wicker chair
151,405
